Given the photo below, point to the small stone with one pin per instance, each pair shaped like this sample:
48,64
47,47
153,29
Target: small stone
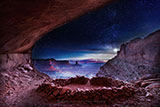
149,100
104,87
149,95
109,88
72,93
78,89
104,97
28,66
56,92
96,99
85,96
87,89
63,91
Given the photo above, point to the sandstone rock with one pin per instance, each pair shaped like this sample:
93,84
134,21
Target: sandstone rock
56,92
16,86
72,93
101,95
135,59
25,22
149,95
85,97
78,80
63,91
28,67
107,82
144,84
10,61
153,85
18,35
105,97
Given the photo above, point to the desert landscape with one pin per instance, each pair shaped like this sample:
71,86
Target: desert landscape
22,85
130,77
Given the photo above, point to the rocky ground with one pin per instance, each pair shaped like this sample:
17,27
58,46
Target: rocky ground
18,79
145,92
24,87
16,85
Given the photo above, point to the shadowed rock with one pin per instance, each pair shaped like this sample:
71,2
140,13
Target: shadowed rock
23,22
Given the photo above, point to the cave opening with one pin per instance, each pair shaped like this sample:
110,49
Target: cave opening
83,45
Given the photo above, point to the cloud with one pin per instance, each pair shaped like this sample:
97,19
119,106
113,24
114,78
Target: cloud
95,56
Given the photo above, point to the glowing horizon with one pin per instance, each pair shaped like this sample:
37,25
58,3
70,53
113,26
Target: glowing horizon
96,57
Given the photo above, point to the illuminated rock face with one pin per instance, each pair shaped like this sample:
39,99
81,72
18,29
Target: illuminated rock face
138,58
23,22
18,78
10,61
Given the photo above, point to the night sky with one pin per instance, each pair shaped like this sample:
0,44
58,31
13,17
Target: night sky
98,34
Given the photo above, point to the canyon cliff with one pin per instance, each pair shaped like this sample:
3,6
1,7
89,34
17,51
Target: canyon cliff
136,59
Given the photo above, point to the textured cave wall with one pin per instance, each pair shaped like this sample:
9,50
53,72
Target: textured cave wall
23,22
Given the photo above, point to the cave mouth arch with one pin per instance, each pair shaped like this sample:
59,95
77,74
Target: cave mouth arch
94,37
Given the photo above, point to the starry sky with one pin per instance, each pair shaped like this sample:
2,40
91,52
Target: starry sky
98,34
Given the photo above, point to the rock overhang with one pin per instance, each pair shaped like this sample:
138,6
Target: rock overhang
24,22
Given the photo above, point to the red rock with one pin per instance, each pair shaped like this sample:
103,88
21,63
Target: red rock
85,96
96,99
144,84
105,81
24,22
137,58
63,91
105,97
56,92
153,85
149,95
72,93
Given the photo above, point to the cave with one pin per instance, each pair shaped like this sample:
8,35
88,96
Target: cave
128,30
75,49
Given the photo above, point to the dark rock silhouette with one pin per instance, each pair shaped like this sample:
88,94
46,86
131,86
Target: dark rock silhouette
76,63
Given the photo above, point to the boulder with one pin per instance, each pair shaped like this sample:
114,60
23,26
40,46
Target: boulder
63,91
56,92
10,61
